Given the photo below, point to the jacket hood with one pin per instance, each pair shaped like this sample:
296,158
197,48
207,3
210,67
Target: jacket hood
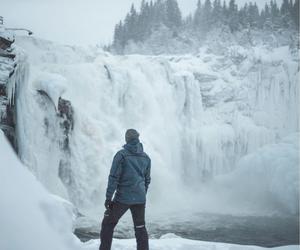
134,146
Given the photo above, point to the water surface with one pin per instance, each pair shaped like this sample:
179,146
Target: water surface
266,231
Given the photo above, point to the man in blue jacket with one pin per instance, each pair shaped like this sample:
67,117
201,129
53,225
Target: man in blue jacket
128,183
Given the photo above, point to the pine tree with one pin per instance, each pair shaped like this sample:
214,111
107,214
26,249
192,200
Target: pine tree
225,11
144,21
119,38
117,34
243,19
198,15
285,7
291,4
285,13
274,10
130,31
173,14
295,13
206,16
266,18
275,15
253,15
262,18
233,16
159,13
217,12
143,5
267,11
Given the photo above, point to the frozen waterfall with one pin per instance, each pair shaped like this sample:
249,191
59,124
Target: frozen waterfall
198,116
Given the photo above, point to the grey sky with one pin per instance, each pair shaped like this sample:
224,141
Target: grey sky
80,22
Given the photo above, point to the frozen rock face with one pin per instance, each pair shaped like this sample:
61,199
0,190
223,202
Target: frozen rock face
13,69
197,115
57,119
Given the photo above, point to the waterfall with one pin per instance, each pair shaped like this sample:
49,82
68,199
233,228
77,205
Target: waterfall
197,116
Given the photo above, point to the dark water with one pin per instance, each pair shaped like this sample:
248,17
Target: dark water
245,230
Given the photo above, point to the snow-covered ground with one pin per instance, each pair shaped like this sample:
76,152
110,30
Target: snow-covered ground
174,243
30,217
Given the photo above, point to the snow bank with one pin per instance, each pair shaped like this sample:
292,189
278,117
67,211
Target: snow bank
30,218
177,243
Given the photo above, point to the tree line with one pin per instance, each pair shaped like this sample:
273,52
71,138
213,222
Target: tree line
139,25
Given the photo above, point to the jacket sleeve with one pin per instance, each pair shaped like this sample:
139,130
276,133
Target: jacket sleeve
114,176
148,175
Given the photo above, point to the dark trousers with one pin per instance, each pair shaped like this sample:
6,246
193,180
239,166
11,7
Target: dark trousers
111,218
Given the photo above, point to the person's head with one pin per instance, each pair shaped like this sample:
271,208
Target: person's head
131,134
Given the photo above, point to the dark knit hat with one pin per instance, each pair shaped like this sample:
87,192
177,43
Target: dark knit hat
131,134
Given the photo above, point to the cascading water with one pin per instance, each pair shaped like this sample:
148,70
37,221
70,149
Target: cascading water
198,116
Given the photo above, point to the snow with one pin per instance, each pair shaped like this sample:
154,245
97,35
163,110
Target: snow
30,218
177,243
8,35
52,84
198,115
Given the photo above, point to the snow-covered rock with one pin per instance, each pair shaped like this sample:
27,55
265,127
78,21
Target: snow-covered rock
53,85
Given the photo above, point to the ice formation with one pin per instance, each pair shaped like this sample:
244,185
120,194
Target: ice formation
198,116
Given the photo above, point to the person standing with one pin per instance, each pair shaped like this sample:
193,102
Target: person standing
127,187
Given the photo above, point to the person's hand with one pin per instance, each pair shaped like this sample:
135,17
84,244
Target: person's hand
108,204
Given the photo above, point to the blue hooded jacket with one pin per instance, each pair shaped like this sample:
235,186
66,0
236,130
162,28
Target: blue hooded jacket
129,175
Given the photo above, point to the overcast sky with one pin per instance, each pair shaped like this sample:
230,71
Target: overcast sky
80,22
